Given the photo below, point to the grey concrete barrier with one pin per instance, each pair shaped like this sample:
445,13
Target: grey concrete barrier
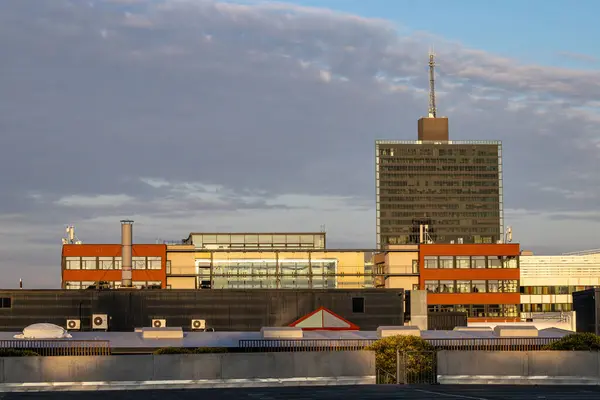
192,367
516,367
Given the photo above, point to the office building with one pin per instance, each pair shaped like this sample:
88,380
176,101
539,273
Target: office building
548,282
218,261
479,279
452,188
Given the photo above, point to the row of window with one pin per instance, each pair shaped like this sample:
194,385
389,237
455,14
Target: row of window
472,286
439,168
413,239
77,285
546,307
438,198
465,262
449,180
455,150
479,310
108,263
552,289
439,160
438,214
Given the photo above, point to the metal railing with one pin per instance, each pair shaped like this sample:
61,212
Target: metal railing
262,345
59,347
484,344
492,344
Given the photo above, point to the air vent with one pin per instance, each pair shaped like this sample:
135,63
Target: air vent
198,324
100,321
73,324
159,323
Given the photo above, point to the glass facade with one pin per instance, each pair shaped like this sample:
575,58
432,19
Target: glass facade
262,241
453,187
268,274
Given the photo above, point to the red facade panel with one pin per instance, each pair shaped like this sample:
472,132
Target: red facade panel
470,274
114,250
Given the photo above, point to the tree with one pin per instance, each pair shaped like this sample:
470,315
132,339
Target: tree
576,342
418,354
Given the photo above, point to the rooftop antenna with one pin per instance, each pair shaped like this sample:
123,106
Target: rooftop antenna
70,236
432,109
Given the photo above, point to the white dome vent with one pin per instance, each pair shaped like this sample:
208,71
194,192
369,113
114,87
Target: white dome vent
43,331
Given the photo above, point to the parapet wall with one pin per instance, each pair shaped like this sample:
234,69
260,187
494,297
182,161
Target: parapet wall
518,367
360,364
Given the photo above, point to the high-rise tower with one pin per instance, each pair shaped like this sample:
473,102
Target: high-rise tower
452,187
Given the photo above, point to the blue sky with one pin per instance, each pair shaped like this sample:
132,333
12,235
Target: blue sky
533,31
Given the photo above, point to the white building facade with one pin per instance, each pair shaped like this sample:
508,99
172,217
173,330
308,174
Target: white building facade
547,282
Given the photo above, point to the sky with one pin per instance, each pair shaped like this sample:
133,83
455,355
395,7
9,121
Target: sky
204,115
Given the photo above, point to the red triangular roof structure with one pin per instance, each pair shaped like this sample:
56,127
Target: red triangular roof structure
323,319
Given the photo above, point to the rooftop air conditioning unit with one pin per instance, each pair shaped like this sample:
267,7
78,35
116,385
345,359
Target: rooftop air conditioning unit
100,321
159,323
198,324
73,324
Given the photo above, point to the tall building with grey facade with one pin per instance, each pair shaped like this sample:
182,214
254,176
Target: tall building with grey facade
454,188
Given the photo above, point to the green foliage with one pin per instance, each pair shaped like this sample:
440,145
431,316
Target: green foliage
183,350
210,350
418,356
576,342
172,350
17,353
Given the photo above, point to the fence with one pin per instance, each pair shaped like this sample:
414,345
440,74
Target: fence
59,347
293,345
484,344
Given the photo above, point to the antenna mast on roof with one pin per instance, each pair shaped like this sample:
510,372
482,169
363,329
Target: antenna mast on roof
432,109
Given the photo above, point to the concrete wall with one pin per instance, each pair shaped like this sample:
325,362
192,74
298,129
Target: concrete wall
188,367
540,367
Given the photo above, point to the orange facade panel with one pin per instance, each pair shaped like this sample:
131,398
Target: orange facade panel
473,298
505,249
114,250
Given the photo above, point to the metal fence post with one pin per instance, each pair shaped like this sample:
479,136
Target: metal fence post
397,366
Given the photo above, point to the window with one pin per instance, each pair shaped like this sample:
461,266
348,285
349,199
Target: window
463,262
478,262
494,310
5,302
168,262
118,263
89,263
154,262
493,286
72,262
510,262
478,310
431,262
494,262
106,263
478,287
510,310
463,286
73,285
358,304
432,286
138,263
415,266
415,286
509,286
447,287
461,308
446,262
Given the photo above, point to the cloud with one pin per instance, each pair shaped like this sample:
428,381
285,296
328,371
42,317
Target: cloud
579,57
202,115
98,201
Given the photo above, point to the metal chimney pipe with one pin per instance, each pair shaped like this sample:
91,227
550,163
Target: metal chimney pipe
126,240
